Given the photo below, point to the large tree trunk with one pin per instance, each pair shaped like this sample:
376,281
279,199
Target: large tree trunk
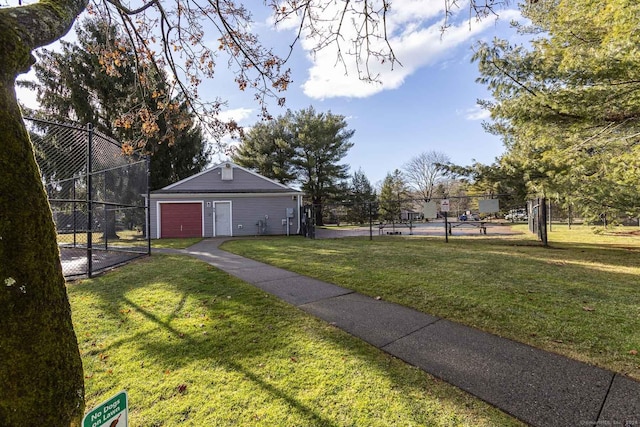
317,209
41,378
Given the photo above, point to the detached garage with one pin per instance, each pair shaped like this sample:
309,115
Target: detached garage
181,219
225,200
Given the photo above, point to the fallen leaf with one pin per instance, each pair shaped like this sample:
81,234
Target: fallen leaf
378,298
633,352
587,308
293,359
182,388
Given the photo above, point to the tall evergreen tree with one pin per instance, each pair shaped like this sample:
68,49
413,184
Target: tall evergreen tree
74,84
304,147
321,141
567,105
268,148
361,197
393,196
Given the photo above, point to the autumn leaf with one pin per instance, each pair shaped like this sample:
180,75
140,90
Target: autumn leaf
182,388
633,352
587,308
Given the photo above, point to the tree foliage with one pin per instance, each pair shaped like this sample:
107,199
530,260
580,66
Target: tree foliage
568,106
269,149
322,141
502,179
304,147
393,196
424,171
72,84
361,198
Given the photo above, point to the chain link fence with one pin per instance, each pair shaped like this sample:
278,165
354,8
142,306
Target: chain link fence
97,194
467,215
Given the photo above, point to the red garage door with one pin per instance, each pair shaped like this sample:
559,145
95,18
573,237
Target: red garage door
181,220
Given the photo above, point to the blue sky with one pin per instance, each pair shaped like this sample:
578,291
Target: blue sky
427,104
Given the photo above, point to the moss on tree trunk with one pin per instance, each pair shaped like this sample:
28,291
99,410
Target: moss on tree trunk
41,379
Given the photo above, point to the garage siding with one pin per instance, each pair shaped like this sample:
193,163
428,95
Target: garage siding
245,214
180,220
270,210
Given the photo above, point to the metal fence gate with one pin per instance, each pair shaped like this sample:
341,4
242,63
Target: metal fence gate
97,194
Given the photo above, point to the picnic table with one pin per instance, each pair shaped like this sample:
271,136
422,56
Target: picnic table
481,225
394,225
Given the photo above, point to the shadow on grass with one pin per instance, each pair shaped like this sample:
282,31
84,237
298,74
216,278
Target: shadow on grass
199,314
581,300
176,353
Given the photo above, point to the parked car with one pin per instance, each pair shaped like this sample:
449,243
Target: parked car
469,217
517,215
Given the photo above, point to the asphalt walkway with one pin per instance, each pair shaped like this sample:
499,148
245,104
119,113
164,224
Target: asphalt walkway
540,388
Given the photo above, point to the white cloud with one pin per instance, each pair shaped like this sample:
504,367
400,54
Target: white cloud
475,113
417,40
236,114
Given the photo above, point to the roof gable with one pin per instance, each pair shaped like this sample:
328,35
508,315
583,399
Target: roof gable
211,180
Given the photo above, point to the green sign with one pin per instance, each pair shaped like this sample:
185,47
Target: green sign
110,413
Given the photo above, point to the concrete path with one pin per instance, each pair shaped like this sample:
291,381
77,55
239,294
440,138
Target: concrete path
540,388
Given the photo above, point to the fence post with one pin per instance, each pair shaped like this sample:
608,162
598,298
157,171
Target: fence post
370,221
75,214
89,200
148,164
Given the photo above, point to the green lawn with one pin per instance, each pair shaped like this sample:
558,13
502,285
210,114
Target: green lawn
127,238
195,347
174,243
581,297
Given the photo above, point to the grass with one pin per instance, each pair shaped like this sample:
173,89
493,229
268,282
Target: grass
174,243
580,298
127,238
196,347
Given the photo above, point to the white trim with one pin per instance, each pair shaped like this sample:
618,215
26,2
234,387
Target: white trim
214,203
159,213
219,165
299,205
220,195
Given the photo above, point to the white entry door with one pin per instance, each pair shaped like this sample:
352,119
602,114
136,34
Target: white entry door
222,219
